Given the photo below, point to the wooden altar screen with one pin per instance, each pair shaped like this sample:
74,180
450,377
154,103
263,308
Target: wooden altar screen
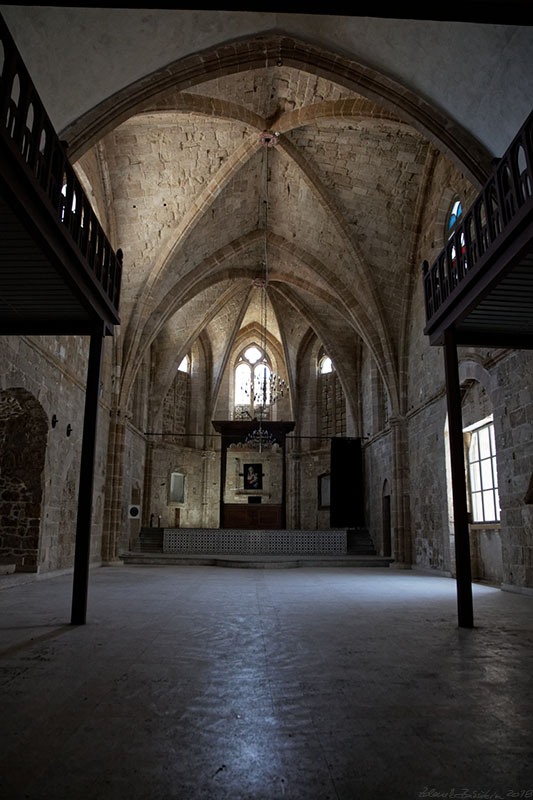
251,516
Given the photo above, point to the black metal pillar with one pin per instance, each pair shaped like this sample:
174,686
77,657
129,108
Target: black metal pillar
85,493
460,512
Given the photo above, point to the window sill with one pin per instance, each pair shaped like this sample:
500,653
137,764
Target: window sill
476,526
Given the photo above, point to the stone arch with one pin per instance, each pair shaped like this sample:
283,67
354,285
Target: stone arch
23,441
269,50
218,267
470,370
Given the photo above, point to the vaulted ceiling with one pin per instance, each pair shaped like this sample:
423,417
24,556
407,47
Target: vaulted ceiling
176,167
195,200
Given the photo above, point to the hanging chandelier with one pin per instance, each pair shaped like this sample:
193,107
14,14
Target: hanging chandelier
265,390
260,439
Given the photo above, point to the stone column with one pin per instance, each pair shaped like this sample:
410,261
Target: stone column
401,523
147,485
208,499
294,492
114,484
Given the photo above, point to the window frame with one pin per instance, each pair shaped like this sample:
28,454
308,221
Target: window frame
176,503
252,408
478,471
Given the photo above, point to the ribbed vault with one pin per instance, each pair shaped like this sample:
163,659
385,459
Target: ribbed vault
195,201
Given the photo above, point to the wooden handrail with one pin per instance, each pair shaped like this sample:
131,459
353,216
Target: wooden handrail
31,138
483,226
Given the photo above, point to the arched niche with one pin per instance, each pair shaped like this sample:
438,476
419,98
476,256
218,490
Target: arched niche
23,440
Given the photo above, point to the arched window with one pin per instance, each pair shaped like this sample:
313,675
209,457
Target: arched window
454,215
177,401
455,212
64,192
243,379
252,384
325,365
331,405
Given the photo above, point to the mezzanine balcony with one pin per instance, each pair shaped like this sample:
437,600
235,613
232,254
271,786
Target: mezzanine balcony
58,272
481,284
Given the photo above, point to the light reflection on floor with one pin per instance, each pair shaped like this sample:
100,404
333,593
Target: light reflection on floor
197,682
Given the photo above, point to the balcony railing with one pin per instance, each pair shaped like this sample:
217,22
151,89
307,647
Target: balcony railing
32,140
483,228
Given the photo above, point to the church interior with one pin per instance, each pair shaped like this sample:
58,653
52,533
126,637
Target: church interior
268,186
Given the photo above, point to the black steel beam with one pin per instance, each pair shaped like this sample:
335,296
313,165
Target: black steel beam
460,512
483,338
85,494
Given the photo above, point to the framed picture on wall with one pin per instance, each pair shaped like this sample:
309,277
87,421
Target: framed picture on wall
253,476
324,484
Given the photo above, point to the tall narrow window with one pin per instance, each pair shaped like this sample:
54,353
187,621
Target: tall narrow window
252,385
177,401
483,475
455,212
454,215
331,405
243,380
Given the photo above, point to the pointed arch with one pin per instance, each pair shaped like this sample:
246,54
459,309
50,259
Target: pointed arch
213,269
268,50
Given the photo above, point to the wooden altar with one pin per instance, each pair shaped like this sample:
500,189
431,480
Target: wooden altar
256,508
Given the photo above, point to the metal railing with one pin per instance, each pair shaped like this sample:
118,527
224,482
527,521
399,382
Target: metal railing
31,138
483,226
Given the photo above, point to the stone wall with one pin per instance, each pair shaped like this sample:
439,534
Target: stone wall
428,488
377,463
132,485
52,370
23,439
512,401
202,482
497,382
312,465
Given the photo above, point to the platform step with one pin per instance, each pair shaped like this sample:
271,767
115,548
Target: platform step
254,561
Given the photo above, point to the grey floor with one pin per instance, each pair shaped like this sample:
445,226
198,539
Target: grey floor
202,682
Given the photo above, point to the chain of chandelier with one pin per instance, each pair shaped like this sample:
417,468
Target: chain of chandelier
271,387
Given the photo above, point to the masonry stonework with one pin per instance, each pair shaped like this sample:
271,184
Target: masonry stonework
308,248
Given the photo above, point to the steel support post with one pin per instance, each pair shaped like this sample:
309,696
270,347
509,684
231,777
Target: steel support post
460,512
85,493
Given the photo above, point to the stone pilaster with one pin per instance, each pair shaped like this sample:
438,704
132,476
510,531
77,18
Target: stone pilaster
401,522
147,485
293,491
113,494
208,460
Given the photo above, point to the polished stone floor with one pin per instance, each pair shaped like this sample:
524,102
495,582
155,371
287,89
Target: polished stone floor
311,684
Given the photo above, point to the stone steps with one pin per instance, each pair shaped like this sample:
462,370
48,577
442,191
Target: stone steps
359,542
150,541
